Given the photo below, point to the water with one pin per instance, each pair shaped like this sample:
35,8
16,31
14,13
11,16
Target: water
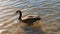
49,11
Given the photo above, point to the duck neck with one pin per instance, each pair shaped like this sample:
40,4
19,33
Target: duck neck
20,15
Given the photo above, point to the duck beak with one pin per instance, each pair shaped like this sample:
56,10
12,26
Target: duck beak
16,12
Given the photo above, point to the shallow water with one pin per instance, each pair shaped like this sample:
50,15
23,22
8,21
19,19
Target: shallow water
49,11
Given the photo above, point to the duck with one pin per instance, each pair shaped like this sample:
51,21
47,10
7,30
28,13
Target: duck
30,20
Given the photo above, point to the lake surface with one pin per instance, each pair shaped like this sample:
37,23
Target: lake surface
49,11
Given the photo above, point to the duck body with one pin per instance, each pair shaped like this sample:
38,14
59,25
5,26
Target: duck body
30,20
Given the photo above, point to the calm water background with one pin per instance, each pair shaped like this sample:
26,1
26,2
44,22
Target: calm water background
49,11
